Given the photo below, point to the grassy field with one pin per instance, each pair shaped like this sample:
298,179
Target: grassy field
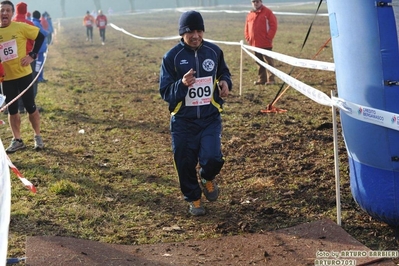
116,182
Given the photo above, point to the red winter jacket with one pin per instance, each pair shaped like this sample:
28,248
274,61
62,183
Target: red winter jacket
260,28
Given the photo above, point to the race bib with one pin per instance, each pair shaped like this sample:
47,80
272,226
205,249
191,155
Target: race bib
200,93
8,50
88,23
102,23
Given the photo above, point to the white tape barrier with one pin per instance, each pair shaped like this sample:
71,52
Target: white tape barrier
222,42
305,63
360,112
223,9
368,114
300,14
313,64
143,38
245,9
5,204
310,92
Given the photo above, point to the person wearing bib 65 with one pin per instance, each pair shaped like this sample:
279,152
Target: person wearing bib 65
193,79
18,73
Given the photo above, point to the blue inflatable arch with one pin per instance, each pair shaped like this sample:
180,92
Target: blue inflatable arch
366,55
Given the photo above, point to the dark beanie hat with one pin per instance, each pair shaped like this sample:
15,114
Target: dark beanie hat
36,14
189,21
21,8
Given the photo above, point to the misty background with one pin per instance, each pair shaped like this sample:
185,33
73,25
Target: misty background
78,8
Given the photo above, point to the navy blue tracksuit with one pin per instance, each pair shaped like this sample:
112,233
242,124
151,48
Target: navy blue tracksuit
195,123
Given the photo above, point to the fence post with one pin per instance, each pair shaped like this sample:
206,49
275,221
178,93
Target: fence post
336,162
241,44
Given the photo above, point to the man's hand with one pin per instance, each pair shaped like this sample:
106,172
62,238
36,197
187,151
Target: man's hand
223,88
26,60
189,78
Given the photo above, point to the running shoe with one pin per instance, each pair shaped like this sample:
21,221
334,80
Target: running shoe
210,189
15,146
39,145
195,208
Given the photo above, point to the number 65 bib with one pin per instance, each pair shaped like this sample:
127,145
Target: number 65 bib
8,50
200,93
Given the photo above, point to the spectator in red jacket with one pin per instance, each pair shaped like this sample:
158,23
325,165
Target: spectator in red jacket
101,22
260,29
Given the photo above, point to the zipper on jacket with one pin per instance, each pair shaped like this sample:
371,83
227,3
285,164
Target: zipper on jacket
197,75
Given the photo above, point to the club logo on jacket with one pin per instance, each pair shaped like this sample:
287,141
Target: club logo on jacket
208,65
183,62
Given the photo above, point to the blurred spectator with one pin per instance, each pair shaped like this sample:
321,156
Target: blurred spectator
40,56
43,22
46,16
89,22
101,22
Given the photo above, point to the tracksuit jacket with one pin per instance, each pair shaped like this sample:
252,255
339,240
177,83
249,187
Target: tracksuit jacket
207,60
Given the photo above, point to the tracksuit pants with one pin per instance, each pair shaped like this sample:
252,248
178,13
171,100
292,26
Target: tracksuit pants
196,141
